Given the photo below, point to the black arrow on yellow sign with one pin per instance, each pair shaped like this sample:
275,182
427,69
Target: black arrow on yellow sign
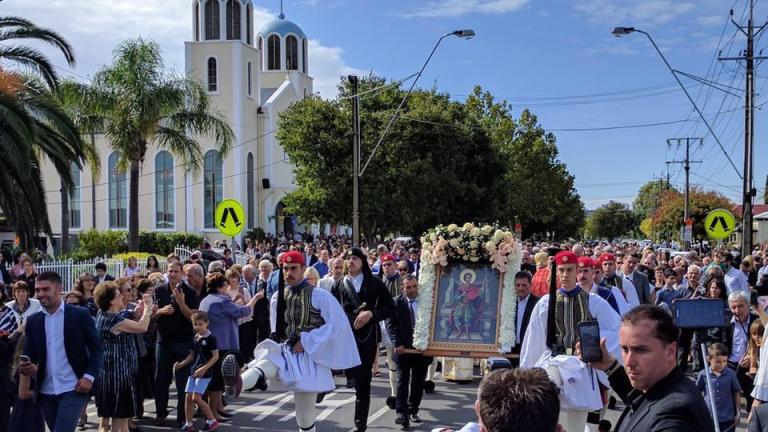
719,220
225,215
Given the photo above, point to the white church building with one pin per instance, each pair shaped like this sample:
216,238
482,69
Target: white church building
251,77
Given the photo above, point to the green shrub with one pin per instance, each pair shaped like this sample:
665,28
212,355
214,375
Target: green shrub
103,243
162,243
256,234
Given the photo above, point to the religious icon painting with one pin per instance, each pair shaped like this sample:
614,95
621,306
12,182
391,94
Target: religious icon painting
466,308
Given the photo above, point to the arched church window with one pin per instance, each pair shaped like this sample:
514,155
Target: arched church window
291,53
213,184
212,30
304,50
213,82
248,25
197,21
250,79
273,52
233,19
164,202
118,193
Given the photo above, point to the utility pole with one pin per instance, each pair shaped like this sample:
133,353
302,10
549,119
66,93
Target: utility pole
354,81
661,187
748,189
687,166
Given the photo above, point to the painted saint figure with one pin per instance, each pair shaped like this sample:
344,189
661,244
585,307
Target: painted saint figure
466,306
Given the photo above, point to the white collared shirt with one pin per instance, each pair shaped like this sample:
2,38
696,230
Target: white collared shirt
740,339
521,304
59,376
357,281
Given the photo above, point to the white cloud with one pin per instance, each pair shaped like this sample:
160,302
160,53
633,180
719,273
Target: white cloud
631,13
711,20
96,27
455,8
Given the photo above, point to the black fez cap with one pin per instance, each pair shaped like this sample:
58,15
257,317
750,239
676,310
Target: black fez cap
356,251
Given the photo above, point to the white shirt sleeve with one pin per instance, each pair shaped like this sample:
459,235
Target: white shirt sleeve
621,302
630,291
535,340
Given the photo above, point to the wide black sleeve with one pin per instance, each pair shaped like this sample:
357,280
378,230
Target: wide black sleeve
620,383
393,328
385,307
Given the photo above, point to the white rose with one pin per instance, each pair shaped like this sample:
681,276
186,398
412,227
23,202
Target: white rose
475,232
465,258
468,226
487,229
474,259
473,244
490,246
509,236
498,235
454,242
433,237
452,227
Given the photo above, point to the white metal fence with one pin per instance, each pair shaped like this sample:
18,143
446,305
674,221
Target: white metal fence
70,270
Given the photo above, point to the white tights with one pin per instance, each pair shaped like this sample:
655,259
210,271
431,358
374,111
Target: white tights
304,402
392,371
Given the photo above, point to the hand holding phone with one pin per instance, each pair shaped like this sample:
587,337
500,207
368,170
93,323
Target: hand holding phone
589,338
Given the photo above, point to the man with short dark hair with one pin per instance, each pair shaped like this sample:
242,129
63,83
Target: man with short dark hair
65,354
657,394
101,273
525,304
519,400
411,368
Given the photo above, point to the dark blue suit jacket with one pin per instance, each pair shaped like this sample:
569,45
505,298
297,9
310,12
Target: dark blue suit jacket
81,342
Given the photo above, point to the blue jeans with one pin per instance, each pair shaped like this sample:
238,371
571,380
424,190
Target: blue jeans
62,411
167,355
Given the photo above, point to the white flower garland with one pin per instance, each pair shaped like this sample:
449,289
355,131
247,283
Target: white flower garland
469,244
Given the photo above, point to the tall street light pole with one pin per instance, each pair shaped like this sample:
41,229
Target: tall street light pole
358,171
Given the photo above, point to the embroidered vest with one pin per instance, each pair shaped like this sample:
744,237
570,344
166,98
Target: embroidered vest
569,312
393,285
300,315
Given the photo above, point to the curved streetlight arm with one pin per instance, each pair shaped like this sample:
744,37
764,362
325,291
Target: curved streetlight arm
402,102
627,30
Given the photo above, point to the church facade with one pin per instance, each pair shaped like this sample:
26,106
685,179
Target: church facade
251,75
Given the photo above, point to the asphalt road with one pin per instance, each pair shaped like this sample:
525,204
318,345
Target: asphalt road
451,405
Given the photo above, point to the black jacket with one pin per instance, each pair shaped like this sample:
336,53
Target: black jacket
532,300
673,404
377,300
399,326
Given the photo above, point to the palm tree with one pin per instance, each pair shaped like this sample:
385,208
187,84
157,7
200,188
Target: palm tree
32,126
137,104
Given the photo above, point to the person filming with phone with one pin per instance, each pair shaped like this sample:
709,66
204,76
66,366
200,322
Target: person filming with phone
657,394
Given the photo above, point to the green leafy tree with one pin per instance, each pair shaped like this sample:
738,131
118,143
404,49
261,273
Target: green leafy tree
611,221
765,191
424,173
668,218
33,126
137,104
539,191
649,197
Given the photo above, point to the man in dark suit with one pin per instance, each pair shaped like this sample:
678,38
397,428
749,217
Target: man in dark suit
411,368
65,354
525,303
639,279
309,255
366,302
736,339
657,394
101,273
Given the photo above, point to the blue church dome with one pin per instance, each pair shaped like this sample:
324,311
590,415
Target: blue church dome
282,27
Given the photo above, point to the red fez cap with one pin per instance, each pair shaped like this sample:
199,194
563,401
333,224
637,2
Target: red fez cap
293,257
605,256
586,262
566,257
388,257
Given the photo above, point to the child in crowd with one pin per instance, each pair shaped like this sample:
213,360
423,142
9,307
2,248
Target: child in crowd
725,386
203,357
668,293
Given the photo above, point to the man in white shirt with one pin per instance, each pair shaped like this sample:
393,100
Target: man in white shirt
65,355
335,273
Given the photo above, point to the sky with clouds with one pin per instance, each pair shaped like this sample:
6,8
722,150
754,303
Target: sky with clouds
555,57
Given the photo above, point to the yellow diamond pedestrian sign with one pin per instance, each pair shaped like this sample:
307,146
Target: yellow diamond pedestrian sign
719,224
230,217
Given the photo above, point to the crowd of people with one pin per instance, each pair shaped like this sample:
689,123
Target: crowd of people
305,309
